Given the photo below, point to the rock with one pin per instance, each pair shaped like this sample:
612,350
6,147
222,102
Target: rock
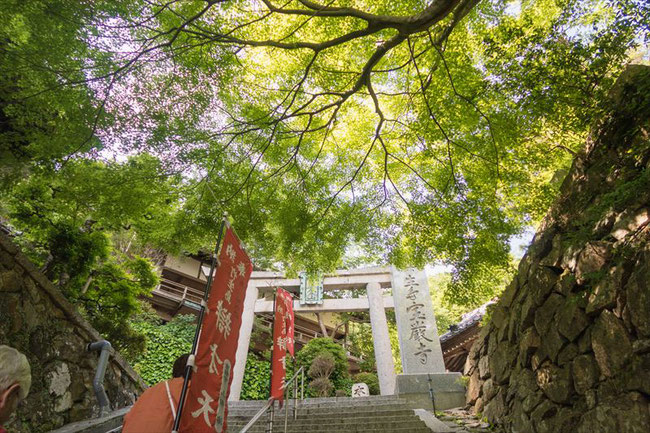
527,317
605,291
528,344
610,343
552,343
484,367
524,382
523,269
571,320
521,423
592,258
638,375
641,346
585,373
603,227
63,403
473,388
566,283
495,409
584,342
567,354
546,409
6,260
489,390
59,380
501,364
554,257
540,283
591,398
629,221
513,323
478,406
532,401
564,420
639,291
499,316
509,293
555,382
570,257
623,414
10,281
544,315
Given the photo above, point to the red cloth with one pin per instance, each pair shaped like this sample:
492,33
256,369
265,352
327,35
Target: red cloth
2,429
206,404
152,411
282,341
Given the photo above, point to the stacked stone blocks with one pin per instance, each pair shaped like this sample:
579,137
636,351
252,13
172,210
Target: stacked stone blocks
36,319
567,347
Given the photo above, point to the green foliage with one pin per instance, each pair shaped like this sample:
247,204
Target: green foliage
369,379
164,343
416,142
318,346
257,379
361,343
67,220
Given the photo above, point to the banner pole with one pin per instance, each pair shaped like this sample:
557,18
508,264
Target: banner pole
270,424
190,364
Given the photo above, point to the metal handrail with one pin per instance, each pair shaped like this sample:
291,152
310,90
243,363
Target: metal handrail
270,402
257,416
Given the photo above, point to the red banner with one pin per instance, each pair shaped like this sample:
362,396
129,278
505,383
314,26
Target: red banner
206,404
282,341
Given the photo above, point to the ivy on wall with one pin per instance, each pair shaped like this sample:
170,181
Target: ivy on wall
164,343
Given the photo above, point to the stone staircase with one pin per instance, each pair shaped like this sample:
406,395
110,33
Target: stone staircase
339,414
385,414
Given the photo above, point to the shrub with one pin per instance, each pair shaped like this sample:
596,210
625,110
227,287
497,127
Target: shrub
321,387
322,366
317,346
369,379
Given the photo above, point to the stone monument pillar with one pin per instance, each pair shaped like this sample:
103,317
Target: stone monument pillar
422,361
248,318
381,340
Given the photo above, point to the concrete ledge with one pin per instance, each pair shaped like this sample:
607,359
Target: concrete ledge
104,424
432,422
448,391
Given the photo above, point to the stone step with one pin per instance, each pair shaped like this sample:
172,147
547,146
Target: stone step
419,427
381,414
334,418
329,402
327,410
350,419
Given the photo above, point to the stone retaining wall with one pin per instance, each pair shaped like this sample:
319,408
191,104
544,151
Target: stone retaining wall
567,347
36,319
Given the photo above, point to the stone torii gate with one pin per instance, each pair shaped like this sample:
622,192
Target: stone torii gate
421,354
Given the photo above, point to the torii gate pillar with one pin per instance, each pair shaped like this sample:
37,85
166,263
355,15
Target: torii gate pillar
381,339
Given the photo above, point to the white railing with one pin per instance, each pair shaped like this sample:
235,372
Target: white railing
177,291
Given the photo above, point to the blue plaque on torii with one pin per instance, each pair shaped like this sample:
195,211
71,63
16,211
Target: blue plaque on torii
311,289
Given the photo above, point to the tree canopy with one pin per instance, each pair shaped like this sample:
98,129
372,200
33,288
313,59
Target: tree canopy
404,131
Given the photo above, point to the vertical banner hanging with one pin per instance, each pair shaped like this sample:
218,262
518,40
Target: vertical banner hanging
207,398
282,341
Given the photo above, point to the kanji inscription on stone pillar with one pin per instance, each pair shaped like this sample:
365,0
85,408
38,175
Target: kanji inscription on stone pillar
416,324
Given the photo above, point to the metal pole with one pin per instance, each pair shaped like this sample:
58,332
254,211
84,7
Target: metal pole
271,412
206,294
286,409
433,399
270,426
